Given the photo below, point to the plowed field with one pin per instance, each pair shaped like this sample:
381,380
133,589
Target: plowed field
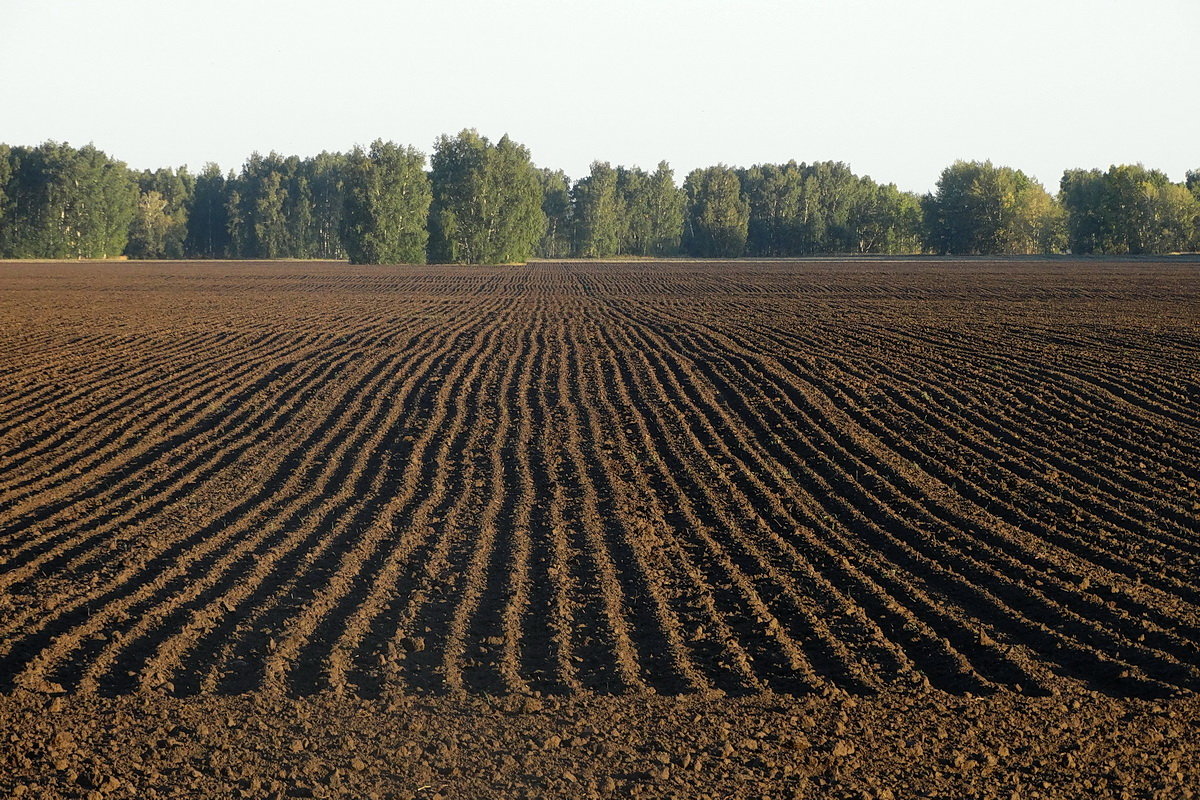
817,501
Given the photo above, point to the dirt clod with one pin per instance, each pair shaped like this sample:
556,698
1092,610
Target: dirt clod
649,529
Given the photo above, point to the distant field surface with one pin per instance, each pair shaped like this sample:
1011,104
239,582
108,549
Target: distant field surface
572,478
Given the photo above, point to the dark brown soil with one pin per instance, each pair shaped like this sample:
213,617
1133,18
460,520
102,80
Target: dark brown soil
817,529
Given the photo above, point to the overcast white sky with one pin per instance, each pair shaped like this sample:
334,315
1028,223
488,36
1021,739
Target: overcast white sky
897,88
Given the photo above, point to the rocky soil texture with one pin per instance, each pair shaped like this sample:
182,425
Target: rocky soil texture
849,529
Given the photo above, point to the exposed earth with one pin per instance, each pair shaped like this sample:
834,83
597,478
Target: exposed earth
827,528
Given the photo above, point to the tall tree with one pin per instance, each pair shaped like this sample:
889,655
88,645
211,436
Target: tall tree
1144,212
386,205
981,208
236,225
267,212
1081,193
665,205
718,216
803,209
160,225
1129,220
487,201
327,174
1038,223
775,194
208,221
99,198
298,216
458,167
961,216
598,212
148,231
27,200
520,221
1177,213
884,219
634,226
832,192
5,177
259,224
1128,209
67,203
556,205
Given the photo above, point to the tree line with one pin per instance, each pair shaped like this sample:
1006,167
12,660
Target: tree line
475,201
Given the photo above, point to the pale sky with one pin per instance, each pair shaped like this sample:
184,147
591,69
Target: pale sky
898,89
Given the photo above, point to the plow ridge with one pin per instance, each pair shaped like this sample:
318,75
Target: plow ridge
588,478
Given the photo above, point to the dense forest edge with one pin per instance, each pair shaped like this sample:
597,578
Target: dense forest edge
474,201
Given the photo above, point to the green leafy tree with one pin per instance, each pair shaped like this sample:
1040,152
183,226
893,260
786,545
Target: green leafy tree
14,234
460,198
1193,185
68,203
598,212
1128,209
386,206
665,203
962,215
718,216
649,209
267,211
5,177
1144,212
1081,193
99,199
148,232
36,208
259,223
298,216
160,225
487,201
236,225
884,219
775,193
326,177
981,208
113,199
1038,223
802,209
556,205
208,220
831,193
520,221
634,225
1177,213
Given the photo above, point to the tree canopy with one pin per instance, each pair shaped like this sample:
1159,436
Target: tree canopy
386,206
487,201
557,241
160,222
483,202
718,213
980,208
1130,209
62,202
804,209
598,212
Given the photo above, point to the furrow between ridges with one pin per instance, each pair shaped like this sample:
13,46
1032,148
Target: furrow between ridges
203,546
359,598
1005,612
